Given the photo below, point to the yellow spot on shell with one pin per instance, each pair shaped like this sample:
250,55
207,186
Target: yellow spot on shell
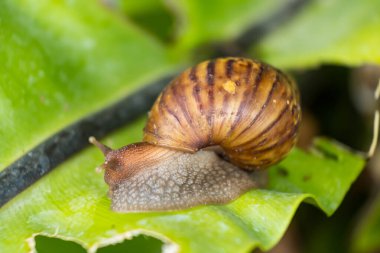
230,87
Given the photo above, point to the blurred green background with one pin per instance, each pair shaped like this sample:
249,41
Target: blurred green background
63,60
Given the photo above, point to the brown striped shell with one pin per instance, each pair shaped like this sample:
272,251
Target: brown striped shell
248,108
247,112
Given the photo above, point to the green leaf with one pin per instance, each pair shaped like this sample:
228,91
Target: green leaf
61,61
309,172
367,233
335,32
71,203
210,21
152,15
140,243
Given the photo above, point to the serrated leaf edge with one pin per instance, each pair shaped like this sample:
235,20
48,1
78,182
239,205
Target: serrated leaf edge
169,246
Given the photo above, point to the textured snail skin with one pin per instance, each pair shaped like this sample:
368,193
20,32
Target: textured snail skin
245,110
143,177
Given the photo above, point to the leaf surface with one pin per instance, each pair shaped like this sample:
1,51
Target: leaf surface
62,61
367,233
336,32
71,203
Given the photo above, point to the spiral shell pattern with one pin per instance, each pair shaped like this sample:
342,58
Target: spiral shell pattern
248,108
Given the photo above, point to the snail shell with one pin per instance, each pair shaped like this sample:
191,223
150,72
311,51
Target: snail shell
248,113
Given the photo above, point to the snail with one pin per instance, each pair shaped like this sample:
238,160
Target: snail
207,130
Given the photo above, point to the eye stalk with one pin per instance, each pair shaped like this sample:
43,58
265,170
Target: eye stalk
105,149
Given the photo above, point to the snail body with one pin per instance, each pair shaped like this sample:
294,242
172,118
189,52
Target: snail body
207,129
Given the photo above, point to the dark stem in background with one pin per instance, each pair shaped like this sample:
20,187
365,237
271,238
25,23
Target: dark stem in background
59,147
257,32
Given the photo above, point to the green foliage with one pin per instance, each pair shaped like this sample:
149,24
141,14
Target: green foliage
71,203
62,60
202,22
367,234
140,243
341,32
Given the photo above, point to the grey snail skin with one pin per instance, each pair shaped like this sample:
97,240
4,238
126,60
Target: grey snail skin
208,129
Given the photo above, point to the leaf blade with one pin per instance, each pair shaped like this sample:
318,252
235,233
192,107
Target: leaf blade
59,67
71,202
335,32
